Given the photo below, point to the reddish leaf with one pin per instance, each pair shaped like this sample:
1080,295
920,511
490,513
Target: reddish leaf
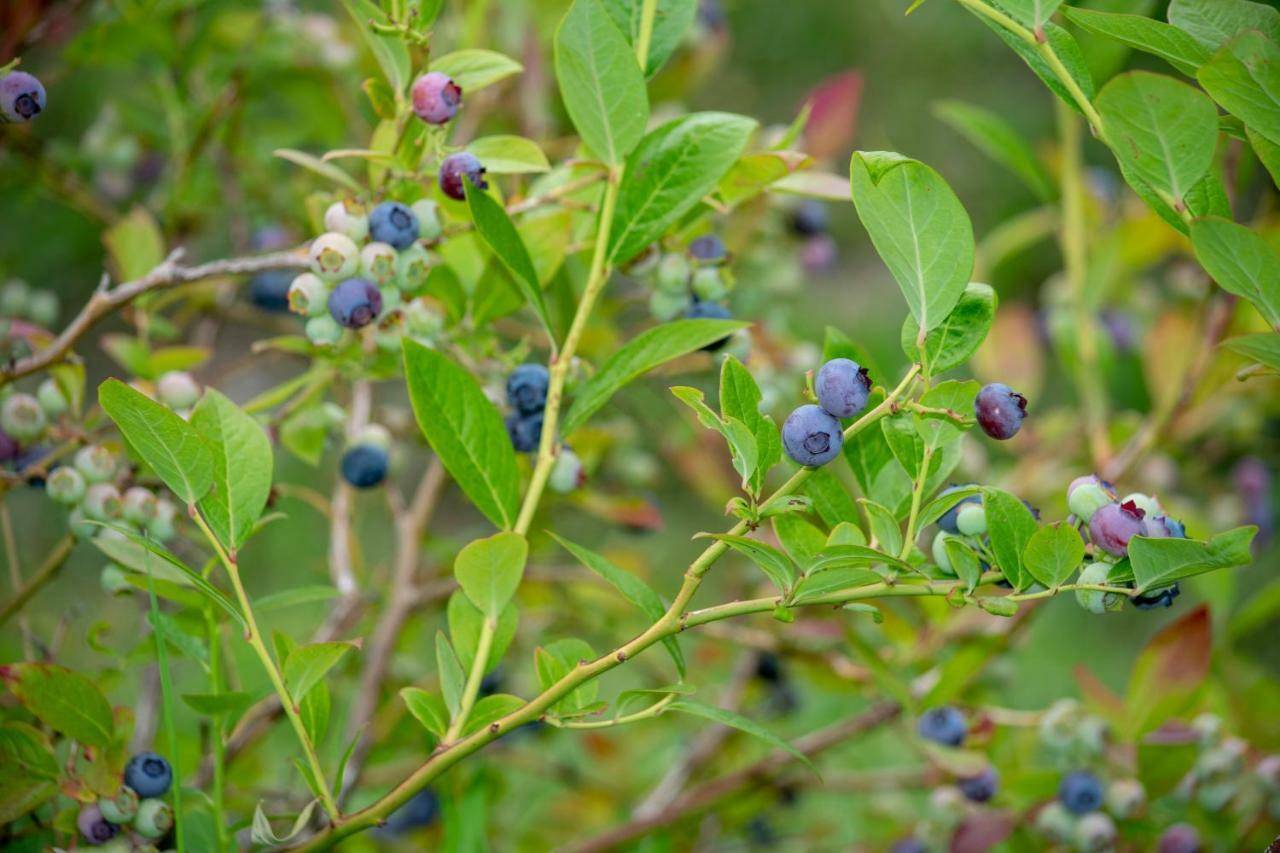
981,832
1100,697
1168,672
833,115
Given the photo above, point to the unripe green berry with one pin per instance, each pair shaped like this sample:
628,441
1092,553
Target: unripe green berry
1059,724
65,485
1087,496
51,398
80,525
1093,735
422,320
378,263
375,435
323,330
710,284
971,519
1056,823
23,418
1146,503
1126,798
567,473
42,308
101,502
309,295
348,218
940,553
673,273
96,463
1215,796
1208,728
112,579
154,819
161,525
413,267
139,505
13,298
667,305
391,298
1093,600
124,805
429,225
1095,832
947,802
334,256
177,390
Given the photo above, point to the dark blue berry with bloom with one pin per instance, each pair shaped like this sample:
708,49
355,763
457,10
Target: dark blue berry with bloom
843,387
148,774
1000,411
365,465
527,388
980,788
944,725
812,436
1152,599
709,249
355,303
269,290
525,431
22,97
395,224
1081,792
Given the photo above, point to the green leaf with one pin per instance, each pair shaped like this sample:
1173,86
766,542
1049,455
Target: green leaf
391,52
848,555
1065,47
1212,22
452,678
640,355
135,244
1142,33
1161,129
740,398
26,750
742,443
427,708
884,526
801,539
473,68
166,442
831,500
600,82
938,507
465,624
1033,13
489,571
633,589
1268,152
964,562
319,167
1053,554
776,565
496,228
490,709
307,665
184,643
846,533
996,138
567,655
242,465
670,171
937,430
741,723
1263,348
874,467
1010,525
1241,262
919,228
1244,78
509,155
231,704
262,833
65,701
21,795
670,21
833,580
465,431
1160,562
295,596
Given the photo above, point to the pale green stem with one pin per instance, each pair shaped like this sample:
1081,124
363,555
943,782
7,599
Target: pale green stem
917,495
254,637
472,689
647,714
1072,587
647,13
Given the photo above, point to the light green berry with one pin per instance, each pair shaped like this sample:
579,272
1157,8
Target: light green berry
124,805
666,305
161,525
154,818
80,525
940,556
1126,798
101,502
674,272
567,473
51,398
1095,833
710,284
422,320
391,298
375,435
178,390
42,308
971,519
138,505
413,268
1093,600
113,582
65,485
14,296
334,256
323,330
348,218
309,295
23,417
378,262
429,225
96,463
1056,823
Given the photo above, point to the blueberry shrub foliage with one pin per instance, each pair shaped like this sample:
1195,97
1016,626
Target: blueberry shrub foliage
485,350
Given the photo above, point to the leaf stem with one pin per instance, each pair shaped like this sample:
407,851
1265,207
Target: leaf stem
563,361
214,633
649,713
647,13
1072,587
472,688
917,495
254,638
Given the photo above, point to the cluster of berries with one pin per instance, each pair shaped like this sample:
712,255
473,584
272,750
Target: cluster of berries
436,99
137,806
812,435
527,388
968,518
1218,777
691,284
369,267
1109,522
20,301
22,97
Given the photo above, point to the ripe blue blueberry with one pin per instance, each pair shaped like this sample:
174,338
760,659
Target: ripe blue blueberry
365,465
95,828
269,290
1154,598
809,218
393,223
436,97
355,303
527,388
812,436
22,97
458,166
1088,494
708,250
1114,525
769,668
843,387
947,521
525,431
1179,838
1080,792
982,787
944,725
149,774
1000,411
709,311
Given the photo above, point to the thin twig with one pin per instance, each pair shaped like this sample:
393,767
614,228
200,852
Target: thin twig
52,563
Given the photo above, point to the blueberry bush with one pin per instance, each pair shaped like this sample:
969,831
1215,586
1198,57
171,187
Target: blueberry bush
354,533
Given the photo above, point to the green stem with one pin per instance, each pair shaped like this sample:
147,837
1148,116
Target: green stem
647,13
42,576
254,637
649,713
917,495
1072,587
214,634
472,688
166,706
669,624
597,276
